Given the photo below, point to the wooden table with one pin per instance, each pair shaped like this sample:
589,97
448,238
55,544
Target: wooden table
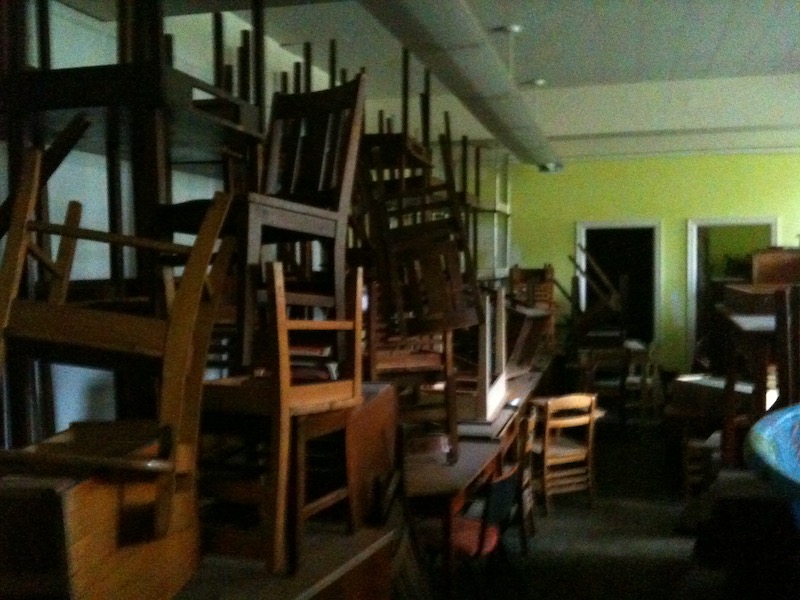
437,488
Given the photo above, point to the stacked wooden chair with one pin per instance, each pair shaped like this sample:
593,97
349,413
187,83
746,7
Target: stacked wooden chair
425,286
293,234
279,411
119,496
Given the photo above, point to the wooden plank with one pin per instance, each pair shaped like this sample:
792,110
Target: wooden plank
62,326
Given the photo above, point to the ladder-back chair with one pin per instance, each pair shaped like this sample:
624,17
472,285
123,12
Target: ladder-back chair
292,409
564,451
125,489
301,213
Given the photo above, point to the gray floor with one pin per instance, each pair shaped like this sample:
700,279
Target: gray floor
625,546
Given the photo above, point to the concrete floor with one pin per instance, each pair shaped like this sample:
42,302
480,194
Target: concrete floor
627,546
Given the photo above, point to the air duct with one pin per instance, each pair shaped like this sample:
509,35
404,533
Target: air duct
448,38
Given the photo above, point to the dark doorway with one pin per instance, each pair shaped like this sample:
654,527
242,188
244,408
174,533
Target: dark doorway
627,252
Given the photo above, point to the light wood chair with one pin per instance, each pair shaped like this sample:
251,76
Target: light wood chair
293,411
564,450
643,385
125,489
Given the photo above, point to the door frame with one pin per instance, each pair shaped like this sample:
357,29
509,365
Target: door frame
692,227
581,228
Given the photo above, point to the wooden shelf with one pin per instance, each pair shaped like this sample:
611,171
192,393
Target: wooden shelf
202,119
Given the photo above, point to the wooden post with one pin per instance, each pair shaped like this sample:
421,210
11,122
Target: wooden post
259,66
404,99
244,66
219,50
425,110
307,64
332,63
298,78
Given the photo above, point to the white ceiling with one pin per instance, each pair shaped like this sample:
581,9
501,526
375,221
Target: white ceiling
576,42
623,77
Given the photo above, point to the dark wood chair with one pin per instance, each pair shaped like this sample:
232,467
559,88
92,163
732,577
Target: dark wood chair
301,213
131,491
423,265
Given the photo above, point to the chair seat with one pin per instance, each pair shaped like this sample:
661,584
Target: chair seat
466,533
564,461
563,448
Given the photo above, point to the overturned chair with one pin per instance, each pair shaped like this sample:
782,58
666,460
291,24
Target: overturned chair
106,509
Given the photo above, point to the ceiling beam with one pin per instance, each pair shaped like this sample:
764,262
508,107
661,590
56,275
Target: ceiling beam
451,42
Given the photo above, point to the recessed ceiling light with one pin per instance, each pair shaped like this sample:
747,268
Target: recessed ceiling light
513,28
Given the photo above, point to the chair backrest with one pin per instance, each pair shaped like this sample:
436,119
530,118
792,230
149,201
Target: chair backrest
501,496
603,367
276,341
431,292
572,411
421,247
313,145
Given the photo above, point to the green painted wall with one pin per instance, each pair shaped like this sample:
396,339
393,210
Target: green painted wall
671,190
734,242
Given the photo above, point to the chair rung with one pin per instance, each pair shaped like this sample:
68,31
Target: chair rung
565,472
324,502
565,489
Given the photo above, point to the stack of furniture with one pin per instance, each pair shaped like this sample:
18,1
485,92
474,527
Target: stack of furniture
120,495
423,266
145,111
312,147
139,110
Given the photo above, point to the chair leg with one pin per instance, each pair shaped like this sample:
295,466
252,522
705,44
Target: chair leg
277,500
303,429
548,497
297,493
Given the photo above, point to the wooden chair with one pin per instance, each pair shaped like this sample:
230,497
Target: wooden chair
124,489
643,386
564,451
477,531
292,412
603,372
301,213
423,265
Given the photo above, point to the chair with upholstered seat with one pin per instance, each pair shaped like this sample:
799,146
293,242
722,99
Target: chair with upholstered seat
563,452
477,531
